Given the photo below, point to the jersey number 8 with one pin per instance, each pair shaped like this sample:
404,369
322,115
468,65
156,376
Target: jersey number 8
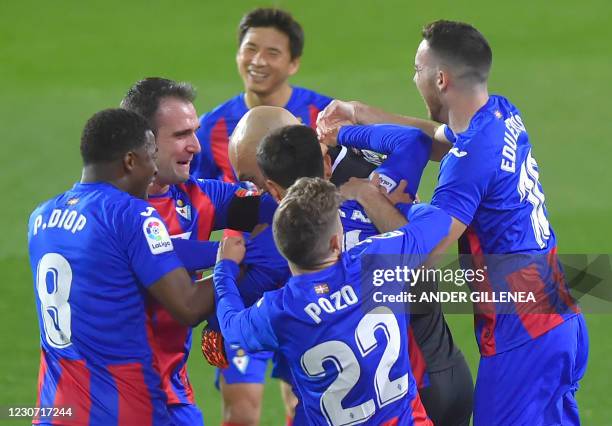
53,282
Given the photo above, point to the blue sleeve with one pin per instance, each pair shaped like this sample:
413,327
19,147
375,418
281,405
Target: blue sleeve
203,165
265,269
267,207
427,226
248,328
195,254
146,240
408,150
465,174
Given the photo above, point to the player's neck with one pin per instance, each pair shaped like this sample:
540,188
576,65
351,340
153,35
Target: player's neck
297,270
463,108
278,98
103,174
157,188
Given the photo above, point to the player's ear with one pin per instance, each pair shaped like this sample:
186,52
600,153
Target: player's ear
294,66
275,190
327,167
129,161
335,243
442,80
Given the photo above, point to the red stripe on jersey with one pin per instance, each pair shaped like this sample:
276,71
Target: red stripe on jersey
73,391
167,340
417,360
42,370
205,209
219,141
166,207
313,112
134,407
484,312
392,422
528,280
419,415
559,279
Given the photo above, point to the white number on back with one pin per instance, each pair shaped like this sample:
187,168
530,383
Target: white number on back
529,187
53,282
349,370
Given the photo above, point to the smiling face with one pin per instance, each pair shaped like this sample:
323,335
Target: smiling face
426,74
264,60
176,122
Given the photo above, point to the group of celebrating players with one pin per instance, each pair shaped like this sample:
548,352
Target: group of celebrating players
310,191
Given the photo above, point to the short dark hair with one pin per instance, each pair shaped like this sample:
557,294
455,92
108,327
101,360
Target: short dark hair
278,19
289,153
144,96
460,44
305,220
111,133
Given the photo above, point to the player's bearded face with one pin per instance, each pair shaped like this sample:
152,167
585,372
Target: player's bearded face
264,60
425,81
176,122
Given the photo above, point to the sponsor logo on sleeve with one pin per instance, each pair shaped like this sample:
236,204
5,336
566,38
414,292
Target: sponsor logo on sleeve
455,151
148,212
387,183
157,236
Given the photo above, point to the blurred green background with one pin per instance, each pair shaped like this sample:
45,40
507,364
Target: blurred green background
62,61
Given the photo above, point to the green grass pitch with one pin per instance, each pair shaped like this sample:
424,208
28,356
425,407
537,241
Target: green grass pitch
62,61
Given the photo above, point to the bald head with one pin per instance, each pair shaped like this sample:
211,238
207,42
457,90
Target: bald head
250,130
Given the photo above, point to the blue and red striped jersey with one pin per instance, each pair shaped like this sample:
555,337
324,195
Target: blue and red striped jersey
217,126
191,210
489,180
94,251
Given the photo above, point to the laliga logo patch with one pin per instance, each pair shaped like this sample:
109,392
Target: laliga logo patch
157,236
386,182
183,209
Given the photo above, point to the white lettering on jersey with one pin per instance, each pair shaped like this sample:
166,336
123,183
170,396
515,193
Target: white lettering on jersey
514,128
529,188
69,220
157,236
342,299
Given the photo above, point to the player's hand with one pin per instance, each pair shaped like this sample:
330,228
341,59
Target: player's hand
337,114
232,248
357,187
399,195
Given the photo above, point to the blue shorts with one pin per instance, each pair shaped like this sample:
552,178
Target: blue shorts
535,383
185,415
244,367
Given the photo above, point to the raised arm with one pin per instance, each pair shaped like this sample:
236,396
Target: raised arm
341,113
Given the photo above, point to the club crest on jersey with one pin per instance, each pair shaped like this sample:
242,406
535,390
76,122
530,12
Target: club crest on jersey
241,361
157,236
321,288
183,209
